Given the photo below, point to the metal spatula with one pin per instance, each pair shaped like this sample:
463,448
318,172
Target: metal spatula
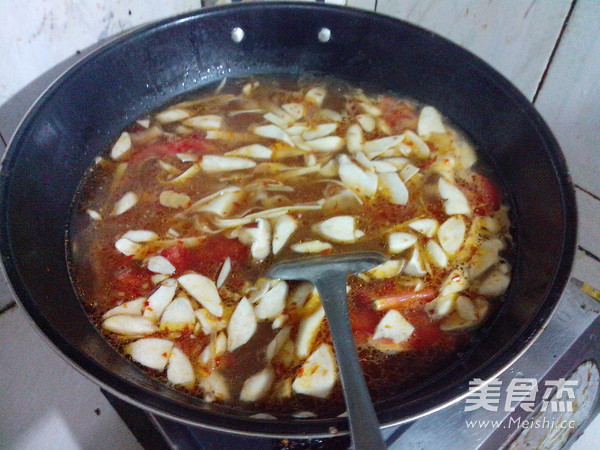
329,274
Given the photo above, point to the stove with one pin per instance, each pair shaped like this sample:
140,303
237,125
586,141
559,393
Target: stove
544,400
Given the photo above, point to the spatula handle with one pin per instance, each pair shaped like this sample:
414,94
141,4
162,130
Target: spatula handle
364,426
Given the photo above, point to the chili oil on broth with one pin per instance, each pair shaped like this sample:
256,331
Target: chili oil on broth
396,177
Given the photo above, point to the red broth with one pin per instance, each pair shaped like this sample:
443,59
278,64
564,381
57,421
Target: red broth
177,223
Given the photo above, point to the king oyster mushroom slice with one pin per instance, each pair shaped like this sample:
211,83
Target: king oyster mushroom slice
455,201
354,139
339,229
394,188
126,325
408,172
331,115
150,352
191,171
296,110
94,215
451,234
378,146
180,371
221,203
214,387
257,386
326,144
352,176
272,303
121,147
282,336
417,146
127,247
259,238
316,95
315,246
398,242
274,132
160,264
206,122
130,308
300,294
224,272
125,203
318,374
468,314
393,326
209,323
172,115
242,325
414,266
388,269
214,163
485,256
436,254
204,290
178,315
255,151
285,225
307,332
319,131
494,284
279,118
426,227
172,199
160,299
430,121
367,122
140,235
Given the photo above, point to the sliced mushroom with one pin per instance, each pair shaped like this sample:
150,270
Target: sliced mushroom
172,115
315,246
361,182
318,374
259,238
160,264
393,186
209,323
257,386
160,299
285,226
204,290
316,95
131,326
339,229
426,227
398,242
121,147
214,387
436,254
414,266
255,151
272,303
172,199
125,203
455,201
451,234
140,235
178,315
180,371
393,326
150,352
493,284
307,332
430,121
242,325
131,308
214,163
127,247
207,122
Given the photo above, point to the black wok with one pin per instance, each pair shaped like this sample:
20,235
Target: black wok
81,113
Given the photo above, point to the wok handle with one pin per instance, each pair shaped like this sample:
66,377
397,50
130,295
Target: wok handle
364,425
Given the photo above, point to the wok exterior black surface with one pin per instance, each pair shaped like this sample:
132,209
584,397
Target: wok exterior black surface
85,110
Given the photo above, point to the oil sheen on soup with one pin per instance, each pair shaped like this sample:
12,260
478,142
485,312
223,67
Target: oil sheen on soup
177,223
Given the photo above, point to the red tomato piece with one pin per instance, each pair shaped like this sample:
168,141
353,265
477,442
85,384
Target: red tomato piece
363,321
132,281
190,144
483,195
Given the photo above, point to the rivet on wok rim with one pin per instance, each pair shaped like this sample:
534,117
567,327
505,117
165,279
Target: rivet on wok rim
324,35
237,35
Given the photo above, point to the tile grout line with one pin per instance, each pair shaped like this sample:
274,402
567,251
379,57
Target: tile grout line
7,307
588,253
553,53
591,194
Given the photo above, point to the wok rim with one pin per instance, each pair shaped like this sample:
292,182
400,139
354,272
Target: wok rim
488,371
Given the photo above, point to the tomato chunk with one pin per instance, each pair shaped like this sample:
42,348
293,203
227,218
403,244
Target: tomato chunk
398,115
483,195
190,144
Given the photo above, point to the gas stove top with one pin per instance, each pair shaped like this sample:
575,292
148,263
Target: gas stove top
544,400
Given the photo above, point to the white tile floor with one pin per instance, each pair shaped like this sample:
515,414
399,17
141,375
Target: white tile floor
46,404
